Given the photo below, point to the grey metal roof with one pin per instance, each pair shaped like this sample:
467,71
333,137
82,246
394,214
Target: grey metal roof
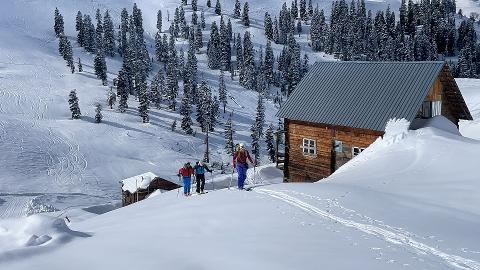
361,94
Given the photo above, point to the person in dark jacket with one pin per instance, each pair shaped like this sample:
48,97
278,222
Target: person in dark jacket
199,171
240,163
186,172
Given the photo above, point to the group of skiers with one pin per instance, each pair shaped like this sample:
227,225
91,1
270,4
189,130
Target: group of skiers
241,157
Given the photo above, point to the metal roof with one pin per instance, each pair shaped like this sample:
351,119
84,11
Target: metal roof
361,94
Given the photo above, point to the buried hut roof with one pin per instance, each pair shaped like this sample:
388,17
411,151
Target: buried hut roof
138,182
367,94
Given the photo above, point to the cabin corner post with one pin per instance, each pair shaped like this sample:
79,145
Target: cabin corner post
286,171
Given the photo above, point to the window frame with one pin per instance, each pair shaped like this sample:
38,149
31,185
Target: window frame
307,147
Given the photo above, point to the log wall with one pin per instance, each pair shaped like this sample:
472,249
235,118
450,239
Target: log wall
310,168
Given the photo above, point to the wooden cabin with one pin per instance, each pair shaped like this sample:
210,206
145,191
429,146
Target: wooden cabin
340,108
139,187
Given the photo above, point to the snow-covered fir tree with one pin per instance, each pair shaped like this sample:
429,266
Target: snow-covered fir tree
89,34
100,66
143,101
268,26
58,25
80,66
269,141
228,135
213,48
237,10
98,113
159,21
222,91
111,98
245,16
109,35
186,112
218,8
123,89
194,5
202,19
74,107
198,37
79,28
248,66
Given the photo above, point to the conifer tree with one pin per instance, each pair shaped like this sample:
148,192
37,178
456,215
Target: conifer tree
218,8
270,143
89,34
202,19
268,63
238,9
194,5
268,26
159,21
123,89
255,141
111,98
80,66
109,35
260,116
79,28
143,102
198,38
245,16
303,10
222,91
194,18
100,66
74,107
209,3
98,113
185,112
124,26
156,89
248,80
228,135
58,23
213,48
99,42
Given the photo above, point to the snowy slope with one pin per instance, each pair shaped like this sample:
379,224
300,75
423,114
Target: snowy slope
402,204
53,162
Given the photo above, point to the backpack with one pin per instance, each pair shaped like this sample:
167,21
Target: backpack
200,170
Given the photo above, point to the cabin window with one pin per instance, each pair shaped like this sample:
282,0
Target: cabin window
430,109
309,147
357,150
436,108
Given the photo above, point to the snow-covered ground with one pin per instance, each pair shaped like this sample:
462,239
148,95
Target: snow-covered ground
408,202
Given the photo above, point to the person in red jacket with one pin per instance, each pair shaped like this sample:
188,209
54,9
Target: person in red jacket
240,163
186,172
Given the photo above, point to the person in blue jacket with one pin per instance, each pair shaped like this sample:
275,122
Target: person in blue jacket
199,171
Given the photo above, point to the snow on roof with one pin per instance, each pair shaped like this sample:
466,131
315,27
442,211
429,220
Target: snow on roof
135,183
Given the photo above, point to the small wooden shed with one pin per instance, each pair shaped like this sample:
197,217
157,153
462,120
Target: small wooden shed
340,108
138,187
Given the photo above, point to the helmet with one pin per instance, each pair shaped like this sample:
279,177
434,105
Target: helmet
200,163
242,145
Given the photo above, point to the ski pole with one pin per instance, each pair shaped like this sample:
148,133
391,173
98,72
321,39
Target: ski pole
213,182
231,178
179,182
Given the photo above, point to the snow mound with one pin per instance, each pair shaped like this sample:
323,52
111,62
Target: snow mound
439,122
33,234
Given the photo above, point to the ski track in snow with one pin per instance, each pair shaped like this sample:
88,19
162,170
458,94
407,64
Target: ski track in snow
390,235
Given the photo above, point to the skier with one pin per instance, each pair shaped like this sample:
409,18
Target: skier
186,172
240,163
199,170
